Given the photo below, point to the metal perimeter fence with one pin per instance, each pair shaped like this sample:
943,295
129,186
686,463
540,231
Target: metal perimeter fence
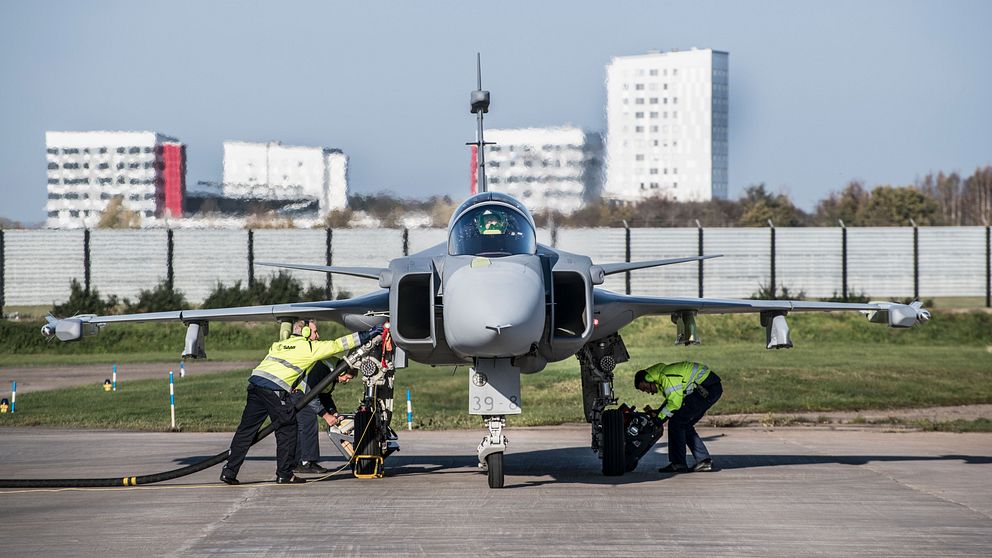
36,266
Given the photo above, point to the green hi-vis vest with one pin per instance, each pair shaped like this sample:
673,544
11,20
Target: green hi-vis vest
676,380
289,360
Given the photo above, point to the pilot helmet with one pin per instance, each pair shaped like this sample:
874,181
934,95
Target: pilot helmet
491,222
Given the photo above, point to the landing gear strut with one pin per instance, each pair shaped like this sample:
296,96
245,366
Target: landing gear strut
598,360
374,439
492,448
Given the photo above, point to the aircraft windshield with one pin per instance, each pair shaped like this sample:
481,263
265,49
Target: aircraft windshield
492,230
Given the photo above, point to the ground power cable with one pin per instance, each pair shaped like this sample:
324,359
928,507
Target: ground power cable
35,490
135,480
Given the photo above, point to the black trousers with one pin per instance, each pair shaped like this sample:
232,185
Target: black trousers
278,406
682,425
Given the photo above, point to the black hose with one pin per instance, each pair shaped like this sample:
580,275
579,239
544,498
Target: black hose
175,473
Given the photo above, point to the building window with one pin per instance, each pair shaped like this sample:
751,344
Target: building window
653,72
53,166
104,166
148,150
654,129
639,101
53,180
134,150
675,100
654,171
654,115
675,71
654,100
638,128
53,214
639,157
638,115
53,151
639,87
73,213
664,86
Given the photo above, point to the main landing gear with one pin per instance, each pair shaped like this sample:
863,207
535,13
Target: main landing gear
597,360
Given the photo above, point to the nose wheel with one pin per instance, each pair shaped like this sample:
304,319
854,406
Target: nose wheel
491,450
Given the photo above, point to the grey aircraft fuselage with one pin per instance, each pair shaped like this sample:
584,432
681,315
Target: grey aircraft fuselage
533,308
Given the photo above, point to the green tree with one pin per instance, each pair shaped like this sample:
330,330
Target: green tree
116,216
84,301
848,205
895,206
161,298
759,206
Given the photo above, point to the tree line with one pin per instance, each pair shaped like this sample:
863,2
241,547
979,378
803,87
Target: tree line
935,199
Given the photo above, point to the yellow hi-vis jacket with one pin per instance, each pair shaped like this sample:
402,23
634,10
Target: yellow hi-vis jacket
675,381
289,360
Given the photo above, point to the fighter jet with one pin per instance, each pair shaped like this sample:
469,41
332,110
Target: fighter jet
493,298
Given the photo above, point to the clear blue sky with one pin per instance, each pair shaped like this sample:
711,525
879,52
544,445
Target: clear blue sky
820,92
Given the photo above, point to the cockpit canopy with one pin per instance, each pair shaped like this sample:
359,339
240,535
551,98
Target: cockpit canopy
488,226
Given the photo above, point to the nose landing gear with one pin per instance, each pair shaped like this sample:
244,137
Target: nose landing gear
491,450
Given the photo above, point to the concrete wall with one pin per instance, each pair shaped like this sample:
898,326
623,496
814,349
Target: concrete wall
39,264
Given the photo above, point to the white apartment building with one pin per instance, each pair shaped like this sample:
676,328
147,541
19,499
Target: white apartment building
548,169
87,169
280,172
667,125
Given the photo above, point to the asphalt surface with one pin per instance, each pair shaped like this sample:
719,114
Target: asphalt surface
784,492
45,377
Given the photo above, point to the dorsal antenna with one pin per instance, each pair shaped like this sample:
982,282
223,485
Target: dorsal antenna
480,106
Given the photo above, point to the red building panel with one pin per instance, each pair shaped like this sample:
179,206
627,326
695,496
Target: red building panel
170,203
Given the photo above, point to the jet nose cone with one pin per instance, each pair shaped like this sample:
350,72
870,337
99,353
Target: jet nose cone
495,310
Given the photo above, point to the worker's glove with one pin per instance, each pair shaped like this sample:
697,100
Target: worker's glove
365,336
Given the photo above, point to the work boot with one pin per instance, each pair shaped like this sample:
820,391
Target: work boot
228,477
703,466
291,480
311,467
674,468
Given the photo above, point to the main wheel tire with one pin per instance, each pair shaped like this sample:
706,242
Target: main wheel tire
494,463
614,458
367,442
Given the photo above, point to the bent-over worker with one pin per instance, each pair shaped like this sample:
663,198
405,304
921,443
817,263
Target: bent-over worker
270,389
307,455
689,389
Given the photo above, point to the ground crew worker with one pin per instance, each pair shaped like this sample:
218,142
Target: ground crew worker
270,390
690,389
307,455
